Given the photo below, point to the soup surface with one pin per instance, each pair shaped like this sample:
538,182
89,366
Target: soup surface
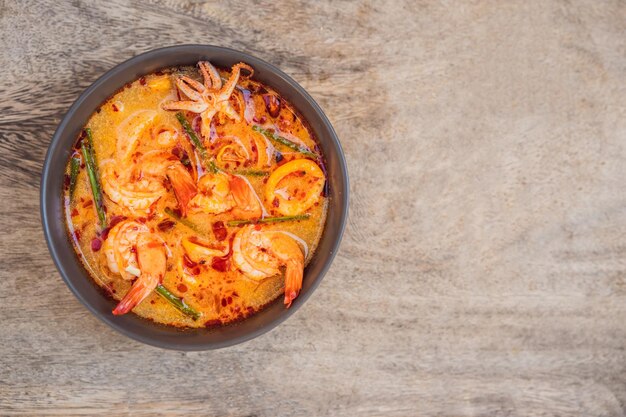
196,196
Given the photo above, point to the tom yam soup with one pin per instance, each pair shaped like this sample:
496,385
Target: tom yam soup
195,196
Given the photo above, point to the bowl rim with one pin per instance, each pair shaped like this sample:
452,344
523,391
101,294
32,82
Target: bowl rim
46,211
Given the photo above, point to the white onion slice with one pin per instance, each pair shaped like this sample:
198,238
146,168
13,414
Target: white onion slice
133,270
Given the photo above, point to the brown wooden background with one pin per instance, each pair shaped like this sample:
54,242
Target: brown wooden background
483,272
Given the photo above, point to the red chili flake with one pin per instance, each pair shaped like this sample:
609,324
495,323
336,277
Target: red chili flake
142,81
114,107
235,294
257,227
230,300
213,322
166,225
66,181
77,235
275,202
133,249
104,234
224,302
115,220
182,287
250,309
177,152
263,119
96,244
219,230
87,203
188,262
104,208
220,264
151,301
74,213
272,104
141,219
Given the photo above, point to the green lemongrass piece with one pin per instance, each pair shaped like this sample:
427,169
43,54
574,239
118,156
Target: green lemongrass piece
178,303
183,221
197,143
251,172
268,220
74,170
86,149
276,138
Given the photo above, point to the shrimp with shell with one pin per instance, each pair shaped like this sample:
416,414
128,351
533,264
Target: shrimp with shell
138,187
132,251
221,192
260,254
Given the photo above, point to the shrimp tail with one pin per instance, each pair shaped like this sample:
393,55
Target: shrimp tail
184,186
293,281
247,204
137,293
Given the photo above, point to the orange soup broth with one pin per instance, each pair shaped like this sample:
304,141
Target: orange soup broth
220,296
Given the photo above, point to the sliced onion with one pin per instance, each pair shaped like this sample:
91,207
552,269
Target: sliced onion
133,270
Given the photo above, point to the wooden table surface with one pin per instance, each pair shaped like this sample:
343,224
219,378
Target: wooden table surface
483,271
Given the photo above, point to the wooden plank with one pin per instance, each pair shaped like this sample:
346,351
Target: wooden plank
483,272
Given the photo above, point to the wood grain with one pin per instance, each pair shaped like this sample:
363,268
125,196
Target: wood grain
483,272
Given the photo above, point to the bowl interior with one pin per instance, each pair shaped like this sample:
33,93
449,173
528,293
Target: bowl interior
77,277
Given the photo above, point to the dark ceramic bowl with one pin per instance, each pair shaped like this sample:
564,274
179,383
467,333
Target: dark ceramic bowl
77,278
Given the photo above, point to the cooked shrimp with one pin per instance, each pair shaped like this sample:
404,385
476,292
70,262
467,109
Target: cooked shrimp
198,249
119,247
221,192
247,203
213,194
135,196
252,149
166,135
259,254
141,185
130,131
151,260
